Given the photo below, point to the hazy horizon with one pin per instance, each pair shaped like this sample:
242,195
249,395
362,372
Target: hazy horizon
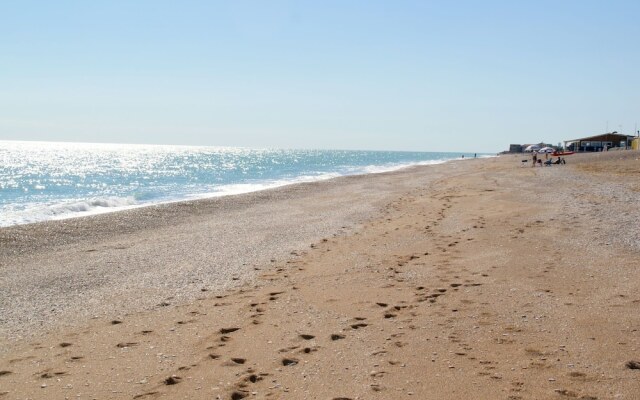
235,147
402,76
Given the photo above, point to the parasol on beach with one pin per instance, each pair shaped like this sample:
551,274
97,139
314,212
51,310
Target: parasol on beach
546,150
533,147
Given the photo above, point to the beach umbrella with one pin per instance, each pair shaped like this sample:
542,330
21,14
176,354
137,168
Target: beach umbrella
533,147
546,150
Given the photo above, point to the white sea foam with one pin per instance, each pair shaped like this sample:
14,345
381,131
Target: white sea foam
94,206
63,210
379,169
240,188
45,181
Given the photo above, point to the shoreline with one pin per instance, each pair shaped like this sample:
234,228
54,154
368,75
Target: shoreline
68,263
196,205
214,195
471,280
94,205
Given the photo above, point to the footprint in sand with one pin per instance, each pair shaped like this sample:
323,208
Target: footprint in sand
288,349
126,344
633,364
306,336
148,394
238,361
274,295
253,378
308,350
172,380
49,375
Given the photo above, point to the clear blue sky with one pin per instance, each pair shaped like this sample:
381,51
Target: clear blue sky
389,75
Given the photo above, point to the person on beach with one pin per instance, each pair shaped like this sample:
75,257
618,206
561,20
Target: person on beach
535,158
559,161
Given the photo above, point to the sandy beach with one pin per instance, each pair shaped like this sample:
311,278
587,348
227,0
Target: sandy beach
474,279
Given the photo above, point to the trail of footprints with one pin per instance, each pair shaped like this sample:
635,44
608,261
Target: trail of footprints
423,295
436,301
304,344
292,355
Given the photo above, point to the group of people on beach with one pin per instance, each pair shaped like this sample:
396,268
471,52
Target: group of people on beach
548,162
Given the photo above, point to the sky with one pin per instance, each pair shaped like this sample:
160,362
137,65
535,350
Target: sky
472,76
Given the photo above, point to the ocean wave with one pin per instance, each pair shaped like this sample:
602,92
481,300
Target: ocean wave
67,209
95,204
379,169
45,181
241,188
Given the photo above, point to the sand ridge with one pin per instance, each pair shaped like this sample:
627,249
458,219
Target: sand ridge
476,285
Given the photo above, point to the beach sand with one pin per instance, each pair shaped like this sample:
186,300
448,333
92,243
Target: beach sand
475,279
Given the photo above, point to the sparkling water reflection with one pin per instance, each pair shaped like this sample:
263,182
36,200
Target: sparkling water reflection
41,181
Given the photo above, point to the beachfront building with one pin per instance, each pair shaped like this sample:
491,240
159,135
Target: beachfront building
521,148
599,142
515,148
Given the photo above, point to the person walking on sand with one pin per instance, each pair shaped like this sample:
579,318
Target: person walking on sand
535,158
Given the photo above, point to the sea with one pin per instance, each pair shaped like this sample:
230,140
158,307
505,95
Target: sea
42,181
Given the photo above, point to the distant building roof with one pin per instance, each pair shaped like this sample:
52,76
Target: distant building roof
603,137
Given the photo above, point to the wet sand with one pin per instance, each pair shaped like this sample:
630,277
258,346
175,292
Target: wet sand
474,279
